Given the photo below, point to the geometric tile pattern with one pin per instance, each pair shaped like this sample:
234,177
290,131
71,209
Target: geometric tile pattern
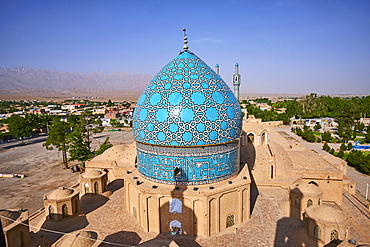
187,104
203,166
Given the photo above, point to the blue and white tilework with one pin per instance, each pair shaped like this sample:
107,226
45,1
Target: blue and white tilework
201,165
187,104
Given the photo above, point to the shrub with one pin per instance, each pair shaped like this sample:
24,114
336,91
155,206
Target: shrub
349,146
326,147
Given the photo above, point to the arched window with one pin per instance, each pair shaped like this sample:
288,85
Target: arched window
309,202
319,202
297,202
96,188
177,172
230,220
313,182
175,206
64,211
86,186
175,227
263,138
251,138
317,233
51,213
333,235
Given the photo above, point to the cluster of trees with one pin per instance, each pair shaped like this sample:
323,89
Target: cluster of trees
307,134
313,106
7,106
271,115
24,127
74,137
340,154
359,160
116,123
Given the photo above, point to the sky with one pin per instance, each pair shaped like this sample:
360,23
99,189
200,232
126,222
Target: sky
282,46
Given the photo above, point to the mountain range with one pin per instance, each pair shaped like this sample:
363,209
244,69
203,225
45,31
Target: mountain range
25,80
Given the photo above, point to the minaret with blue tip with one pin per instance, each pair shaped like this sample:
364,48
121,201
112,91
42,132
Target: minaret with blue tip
236,81
217,69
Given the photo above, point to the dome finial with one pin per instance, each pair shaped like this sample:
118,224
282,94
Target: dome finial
186,47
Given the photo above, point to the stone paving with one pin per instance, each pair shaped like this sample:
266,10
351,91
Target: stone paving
269,224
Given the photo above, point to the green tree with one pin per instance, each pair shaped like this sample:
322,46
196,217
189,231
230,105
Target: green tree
19,127
340,153
79,148
299,131
359,160
354,132
367,136
317,126
326,147
326,136
59,138
343,146
340,127
309,136
115,123
104,146
346,136
349,146
360,126
87,124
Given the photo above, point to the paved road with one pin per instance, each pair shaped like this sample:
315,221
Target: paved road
360,179
18,143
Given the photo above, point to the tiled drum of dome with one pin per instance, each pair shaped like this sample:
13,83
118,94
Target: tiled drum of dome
195,165
187,104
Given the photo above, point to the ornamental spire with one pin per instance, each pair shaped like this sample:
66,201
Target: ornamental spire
186,47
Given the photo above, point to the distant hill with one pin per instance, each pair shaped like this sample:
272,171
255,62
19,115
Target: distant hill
41,81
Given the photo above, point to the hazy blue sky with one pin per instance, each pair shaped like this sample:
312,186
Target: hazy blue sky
287,46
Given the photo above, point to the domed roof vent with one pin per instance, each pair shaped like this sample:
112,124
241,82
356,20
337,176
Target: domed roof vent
325,213
60,193
83,239
306,189
92,174
187,104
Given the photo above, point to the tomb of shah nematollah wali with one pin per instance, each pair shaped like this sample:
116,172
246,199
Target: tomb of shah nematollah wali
198,167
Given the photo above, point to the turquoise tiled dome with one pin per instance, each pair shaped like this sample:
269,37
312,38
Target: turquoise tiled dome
187,104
